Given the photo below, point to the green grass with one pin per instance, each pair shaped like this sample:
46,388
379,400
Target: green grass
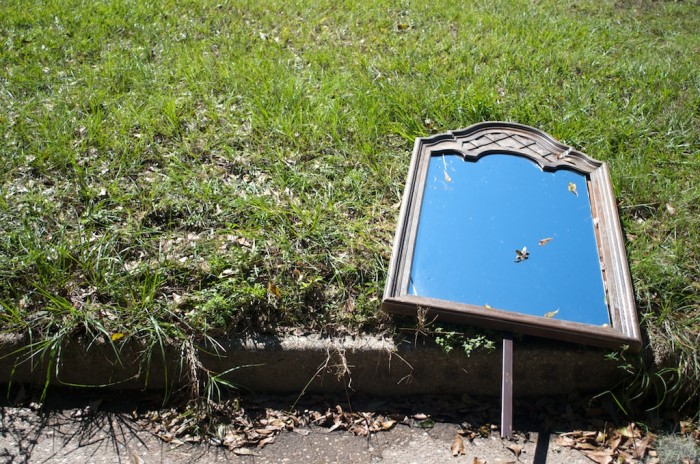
174,169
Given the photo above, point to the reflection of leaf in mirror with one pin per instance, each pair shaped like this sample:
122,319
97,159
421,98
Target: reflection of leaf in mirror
545,241
572,188
448,179
551,314
521,255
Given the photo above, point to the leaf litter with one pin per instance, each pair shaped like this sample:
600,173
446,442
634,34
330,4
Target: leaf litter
245,430
240,430
621,444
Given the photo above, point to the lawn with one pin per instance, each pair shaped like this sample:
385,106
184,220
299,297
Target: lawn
173,170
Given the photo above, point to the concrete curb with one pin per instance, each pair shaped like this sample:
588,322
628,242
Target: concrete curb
292,364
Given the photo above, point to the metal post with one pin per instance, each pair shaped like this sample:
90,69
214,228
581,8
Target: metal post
507,388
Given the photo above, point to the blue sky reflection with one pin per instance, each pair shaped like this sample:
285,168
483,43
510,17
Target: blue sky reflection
475,215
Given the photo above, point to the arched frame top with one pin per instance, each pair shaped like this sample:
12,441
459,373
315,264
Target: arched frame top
488,138
499,137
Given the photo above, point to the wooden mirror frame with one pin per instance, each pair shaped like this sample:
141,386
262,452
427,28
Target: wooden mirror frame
510,138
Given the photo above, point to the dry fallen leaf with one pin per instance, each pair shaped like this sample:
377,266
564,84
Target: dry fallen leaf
447,177
336,426
545,241
516,449
387,425
688,427
565,441
615,443
629,432
600,457
117,336
478,461
601,438
457,447
273,290
266,441
226,273
136,459
244,452
277,424
640,448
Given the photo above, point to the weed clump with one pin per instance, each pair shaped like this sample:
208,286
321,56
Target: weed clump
672,449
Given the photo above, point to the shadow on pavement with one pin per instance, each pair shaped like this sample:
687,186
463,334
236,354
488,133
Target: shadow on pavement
106,426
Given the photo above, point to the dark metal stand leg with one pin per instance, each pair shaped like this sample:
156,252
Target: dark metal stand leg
507,389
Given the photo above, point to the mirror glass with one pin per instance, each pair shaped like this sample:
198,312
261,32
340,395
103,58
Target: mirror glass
502,233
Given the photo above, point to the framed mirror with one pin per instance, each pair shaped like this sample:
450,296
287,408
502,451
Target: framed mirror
502,226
